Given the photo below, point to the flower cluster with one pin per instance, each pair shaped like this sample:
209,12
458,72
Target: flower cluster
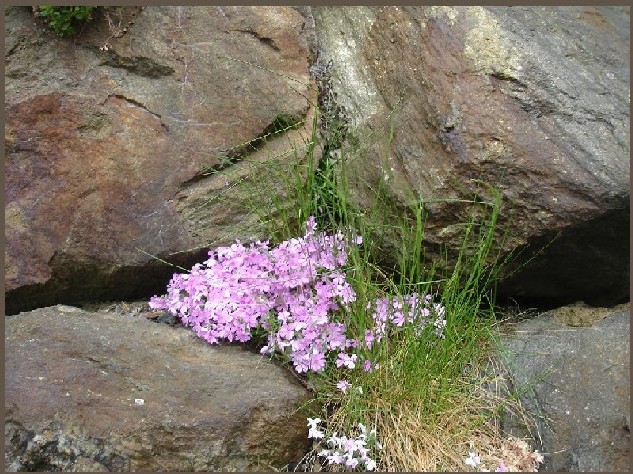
292,291
351,452
296,292
418,311
239,287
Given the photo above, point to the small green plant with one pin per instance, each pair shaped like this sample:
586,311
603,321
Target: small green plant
64,20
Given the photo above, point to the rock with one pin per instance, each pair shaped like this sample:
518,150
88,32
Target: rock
110,391
140,138
533,101
576,381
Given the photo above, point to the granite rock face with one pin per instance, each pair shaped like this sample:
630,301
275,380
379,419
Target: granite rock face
533,101
572,367
116,392
148,134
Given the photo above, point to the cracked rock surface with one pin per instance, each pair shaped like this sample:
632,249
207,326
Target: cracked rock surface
108,136
114,391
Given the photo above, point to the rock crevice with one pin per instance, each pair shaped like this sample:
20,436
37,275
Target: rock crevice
142,66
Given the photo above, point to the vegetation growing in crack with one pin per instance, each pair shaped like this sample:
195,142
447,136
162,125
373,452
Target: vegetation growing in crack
333,128
68,21
379,386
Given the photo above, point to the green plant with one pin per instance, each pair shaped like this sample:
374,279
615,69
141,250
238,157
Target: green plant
427,392
64,20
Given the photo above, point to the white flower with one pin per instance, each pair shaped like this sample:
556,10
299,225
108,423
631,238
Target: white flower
313,422
336,458
370,464
313,431
334,441
472,460
316,434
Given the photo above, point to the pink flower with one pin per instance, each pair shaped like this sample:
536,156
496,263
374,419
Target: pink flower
369,338
472,460
346,360
317,362
343,385
398,318
311,225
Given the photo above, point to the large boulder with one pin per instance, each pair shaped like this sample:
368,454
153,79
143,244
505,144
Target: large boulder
533,101
146,135
113,391
571,369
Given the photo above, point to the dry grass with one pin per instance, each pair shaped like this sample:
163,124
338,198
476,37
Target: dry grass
413,442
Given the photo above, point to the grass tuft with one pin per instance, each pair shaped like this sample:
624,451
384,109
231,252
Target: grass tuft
427,407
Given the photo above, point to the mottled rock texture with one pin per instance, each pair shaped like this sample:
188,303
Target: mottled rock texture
111,391
571,368
533,101
124,143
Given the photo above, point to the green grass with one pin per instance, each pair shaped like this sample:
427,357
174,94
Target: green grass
423,378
